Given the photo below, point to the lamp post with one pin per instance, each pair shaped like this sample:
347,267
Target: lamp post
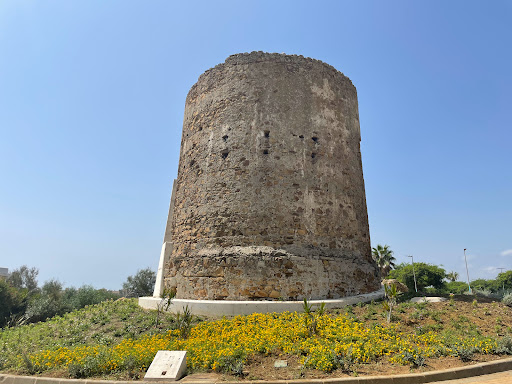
414,274
501,271
467,272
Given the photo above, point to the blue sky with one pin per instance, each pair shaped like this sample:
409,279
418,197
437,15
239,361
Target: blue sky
92,96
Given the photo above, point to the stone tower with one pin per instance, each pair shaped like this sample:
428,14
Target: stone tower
269,201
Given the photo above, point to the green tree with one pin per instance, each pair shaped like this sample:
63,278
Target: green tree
383,256
484,285
46,303
141,284
24,277
452,276
426,275
12,302
456,287
504,279
85,295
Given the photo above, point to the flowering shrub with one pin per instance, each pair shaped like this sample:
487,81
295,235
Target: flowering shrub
224,344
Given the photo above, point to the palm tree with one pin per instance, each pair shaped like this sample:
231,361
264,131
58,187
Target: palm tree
383,256
452,276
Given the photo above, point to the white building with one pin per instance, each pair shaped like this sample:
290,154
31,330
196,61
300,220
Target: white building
4,273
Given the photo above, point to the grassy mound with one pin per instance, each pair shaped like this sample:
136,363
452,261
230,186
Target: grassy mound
119,339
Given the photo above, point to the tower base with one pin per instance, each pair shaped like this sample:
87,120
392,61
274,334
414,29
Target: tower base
233,308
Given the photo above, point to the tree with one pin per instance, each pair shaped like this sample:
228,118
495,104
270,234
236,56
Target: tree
12,302
383,256
85,295
484,285
426,275
141,284
24,277
452,276
456,287
504,279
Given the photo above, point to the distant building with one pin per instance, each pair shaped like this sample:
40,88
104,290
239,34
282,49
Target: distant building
4,273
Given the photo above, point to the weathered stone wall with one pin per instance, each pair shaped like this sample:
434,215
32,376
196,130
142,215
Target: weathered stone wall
270,199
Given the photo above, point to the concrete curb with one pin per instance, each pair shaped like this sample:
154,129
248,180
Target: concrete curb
412,378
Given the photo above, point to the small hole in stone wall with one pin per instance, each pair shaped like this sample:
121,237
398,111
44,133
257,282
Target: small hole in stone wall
313,155
301,136
224,153
265,151
315,139
267,134
225,137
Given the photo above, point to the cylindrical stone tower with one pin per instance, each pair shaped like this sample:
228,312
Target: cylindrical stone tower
269,201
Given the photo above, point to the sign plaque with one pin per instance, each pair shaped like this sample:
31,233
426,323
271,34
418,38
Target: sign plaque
167,365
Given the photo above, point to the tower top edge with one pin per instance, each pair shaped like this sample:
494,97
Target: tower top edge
266,57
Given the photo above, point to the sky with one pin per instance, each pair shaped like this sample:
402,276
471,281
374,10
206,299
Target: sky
92,96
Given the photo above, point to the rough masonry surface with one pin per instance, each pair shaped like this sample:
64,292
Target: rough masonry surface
269,200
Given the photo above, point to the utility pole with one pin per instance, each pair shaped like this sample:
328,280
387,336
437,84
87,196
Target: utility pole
467,272
501,271
414,274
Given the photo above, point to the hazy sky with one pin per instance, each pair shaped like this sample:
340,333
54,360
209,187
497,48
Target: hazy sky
92,96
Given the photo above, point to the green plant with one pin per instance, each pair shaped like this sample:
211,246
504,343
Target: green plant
415,358
310,318
24,277
426,275
504,346
164,303
140,284
233,364
464,353
28,365
390,302
507,299
452,276
344,361
383,256
184,322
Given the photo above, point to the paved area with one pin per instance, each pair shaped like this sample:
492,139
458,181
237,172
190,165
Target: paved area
494,378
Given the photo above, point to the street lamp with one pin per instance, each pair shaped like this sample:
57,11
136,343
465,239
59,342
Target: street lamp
414,274
501,271
467,269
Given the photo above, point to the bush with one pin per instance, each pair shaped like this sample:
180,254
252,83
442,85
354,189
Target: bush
42,307
507,299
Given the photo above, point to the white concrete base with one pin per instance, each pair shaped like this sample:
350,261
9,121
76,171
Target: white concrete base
427,299
164,257
227,307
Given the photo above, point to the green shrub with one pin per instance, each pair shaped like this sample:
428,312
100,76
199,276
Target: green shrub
464,353
12,303
507,299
